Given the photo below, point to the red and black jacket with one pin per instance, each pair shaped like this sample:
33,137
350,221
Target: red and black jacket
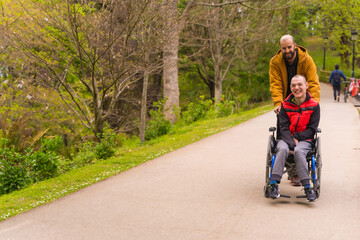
299,122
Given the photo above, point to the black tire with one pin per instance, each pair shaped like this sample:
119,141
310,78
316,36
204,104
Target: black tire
345,97
266,191
318,167
269,154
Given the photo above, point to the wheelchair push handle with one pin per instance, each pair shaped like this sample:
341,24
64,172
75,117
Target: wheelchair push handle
273,129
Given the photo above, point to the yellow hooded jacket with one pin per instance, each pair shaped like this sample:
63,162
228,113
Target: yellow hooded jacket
279,80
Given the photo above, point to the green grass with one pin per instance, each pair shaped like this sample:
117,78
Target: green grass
126,158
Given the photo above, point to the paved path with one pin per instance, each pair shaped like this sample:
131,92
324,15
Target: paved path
213,189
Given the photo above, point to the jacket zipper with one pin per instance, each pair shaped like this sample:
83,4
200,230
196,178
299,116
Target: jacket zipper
298,119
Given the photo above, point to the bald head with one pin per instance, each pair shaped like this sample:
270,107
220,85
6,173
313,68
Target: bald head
287,38
299,78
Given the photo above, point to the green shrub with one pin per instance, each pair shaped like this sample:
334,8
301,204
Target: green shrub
157,125
13,178
224,108
106,148
197,111
240,101
45,161
14,168
205,109
45,165
85,155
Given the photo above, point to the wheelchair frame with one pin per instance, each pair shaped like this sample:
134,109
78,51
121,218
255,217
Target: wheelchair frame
313,159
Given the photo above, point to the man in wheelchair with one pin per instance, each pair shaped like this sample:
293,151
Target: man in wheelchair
298,119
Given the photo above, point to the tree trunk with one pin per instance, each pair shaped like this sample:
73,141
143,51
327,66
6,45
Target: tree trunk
218,83
144,102
170,74
217,60
99,127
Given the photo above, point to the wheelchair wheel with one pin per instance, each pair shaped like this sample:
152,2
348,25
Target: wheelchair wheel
269,154
318,166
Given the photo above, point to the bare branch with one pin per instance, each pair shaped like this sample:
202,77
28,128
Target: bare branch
243,3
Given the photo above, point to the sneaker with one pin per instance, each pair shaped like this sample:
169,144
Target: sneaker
310,194
295,181
274,191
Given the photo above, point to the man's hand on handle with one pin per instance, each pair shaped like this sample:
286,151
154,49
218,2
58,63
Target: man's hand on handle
277,109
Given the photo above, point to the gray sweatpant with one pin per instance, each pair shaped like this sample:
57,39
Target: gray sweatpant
300,152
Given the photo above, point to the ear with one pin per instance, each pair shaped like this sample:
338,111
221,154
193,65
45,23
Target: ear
307,85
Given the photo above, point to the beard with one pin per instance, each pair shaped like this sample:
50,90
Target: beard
289,55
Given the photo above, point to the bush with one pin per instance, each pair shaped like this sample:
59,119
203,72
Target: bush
14,168
106,148
197,111
224,108
13,178
157,125
45,165
205,109
85,155
45,161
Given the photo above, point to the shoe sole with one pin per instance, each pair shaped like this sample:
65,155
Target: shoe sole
275,197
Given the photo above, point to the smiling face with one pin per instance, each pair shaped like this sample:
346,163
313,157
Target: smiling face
288,47
298,87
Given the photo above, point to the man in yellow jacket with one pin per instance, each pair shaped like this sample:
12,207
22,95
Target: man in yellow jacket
289,61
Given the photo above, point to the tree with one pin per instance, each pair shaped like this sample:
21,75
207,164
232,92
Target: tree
170,72
151,40
88,52
220,34
173,25
337,20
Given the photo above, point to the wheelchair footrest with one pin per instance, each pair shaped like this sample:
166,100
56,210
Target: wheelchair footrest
284,196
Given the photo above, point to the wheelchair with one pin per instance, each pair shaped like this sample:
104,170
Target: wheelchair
313,159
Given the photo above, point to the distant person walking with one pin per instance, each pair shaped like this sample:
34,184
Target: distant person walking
335,81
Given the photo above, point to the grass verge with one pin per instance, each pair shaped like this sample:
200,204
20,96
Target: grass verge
126,158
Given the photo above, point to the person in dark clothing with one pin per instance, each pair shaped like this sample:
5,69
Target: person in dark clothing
299,118
335,82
